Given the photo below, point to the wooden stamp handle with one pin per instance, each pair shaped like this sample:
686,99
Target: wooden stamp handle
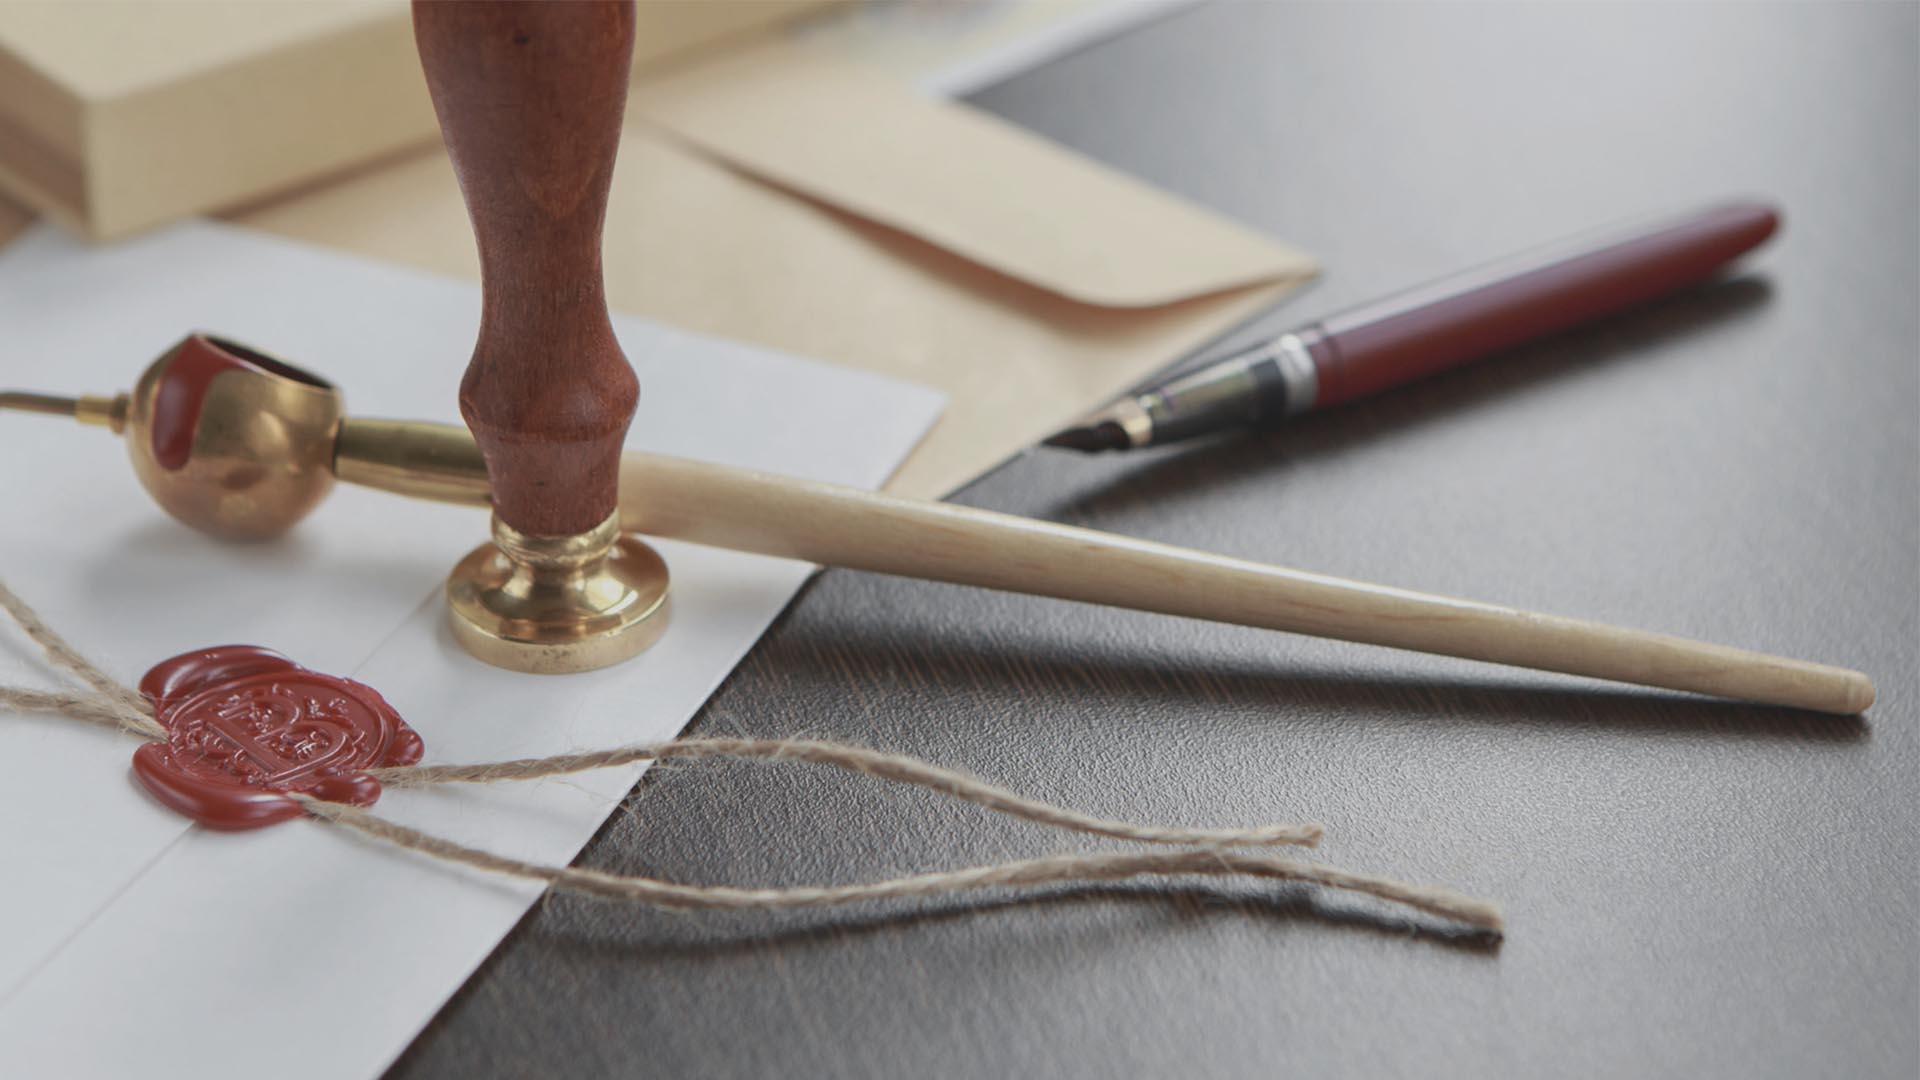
530,98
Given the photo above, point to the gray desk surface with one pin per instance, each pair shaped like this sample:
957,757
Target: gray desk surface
1694,888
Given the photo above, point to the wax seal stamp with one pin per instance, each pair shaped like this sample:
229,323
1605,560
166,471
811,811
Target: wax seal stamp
247,727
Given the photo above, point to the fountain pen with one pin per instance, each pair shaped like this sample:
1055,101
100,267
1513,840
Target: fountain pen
1430,328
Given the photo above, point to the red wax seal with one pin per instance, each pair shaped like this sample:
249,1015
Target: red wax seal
246,726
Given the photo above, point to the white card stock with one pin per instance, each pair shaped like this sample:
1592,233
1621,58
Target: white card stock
135,944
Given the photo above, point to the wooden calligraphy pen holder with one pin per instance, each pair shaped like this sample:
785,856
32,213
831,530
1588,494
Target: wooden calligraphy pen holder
529,97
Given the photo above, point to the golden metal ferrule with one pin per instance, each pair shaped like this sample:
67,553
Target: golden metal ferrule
556,560
555,604
106,412
416,458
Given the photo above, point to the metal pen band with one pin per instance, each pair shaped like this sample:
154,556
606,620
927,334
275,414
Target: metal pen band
1226,393
1273,378
1297,371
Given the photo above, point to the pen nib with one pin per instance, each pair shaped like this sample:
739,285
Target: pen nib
1090,438
1122,425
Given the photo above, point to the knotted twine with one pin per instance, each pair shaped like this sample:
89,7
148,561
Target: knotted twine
1210,852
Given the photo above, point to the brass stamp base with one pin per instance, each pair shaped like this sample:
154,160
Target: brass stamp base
556,604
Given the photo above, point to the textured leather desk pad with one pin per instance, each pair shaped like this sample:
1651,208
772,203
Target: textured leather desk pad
1694,888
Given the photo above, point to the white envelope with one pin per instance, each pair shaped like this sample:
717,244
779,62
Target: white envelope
137,944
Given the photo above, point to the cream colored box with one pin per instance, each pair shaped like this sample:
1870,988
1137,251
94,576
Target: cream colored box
118,116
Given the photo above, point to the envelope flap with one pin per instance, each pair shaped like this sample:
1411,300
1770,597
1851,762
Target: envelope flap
959,179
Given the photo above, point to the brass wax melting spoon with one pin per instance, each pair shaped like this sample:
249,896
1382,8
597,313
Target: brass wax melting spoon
241,445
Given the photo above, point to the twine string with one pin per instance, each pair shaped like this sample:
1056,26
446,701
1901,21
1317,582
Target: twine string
110,703
1052,869
875,763
1209,852
92,708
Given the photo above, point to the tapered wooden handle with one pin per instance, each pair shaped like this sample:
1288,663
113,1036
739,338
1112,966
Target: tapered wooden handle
530,98
727,507
839,526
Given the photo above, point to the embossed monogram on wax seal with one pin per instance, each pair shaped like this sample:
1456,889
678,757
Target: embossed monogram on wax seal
246,726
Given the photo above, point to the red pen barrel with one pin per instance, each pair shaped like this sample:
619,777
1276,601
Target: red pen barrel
1448,322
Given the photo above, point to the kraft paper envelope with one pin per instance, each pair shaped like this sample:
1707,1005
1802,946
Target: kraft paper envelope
787,201
13,220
